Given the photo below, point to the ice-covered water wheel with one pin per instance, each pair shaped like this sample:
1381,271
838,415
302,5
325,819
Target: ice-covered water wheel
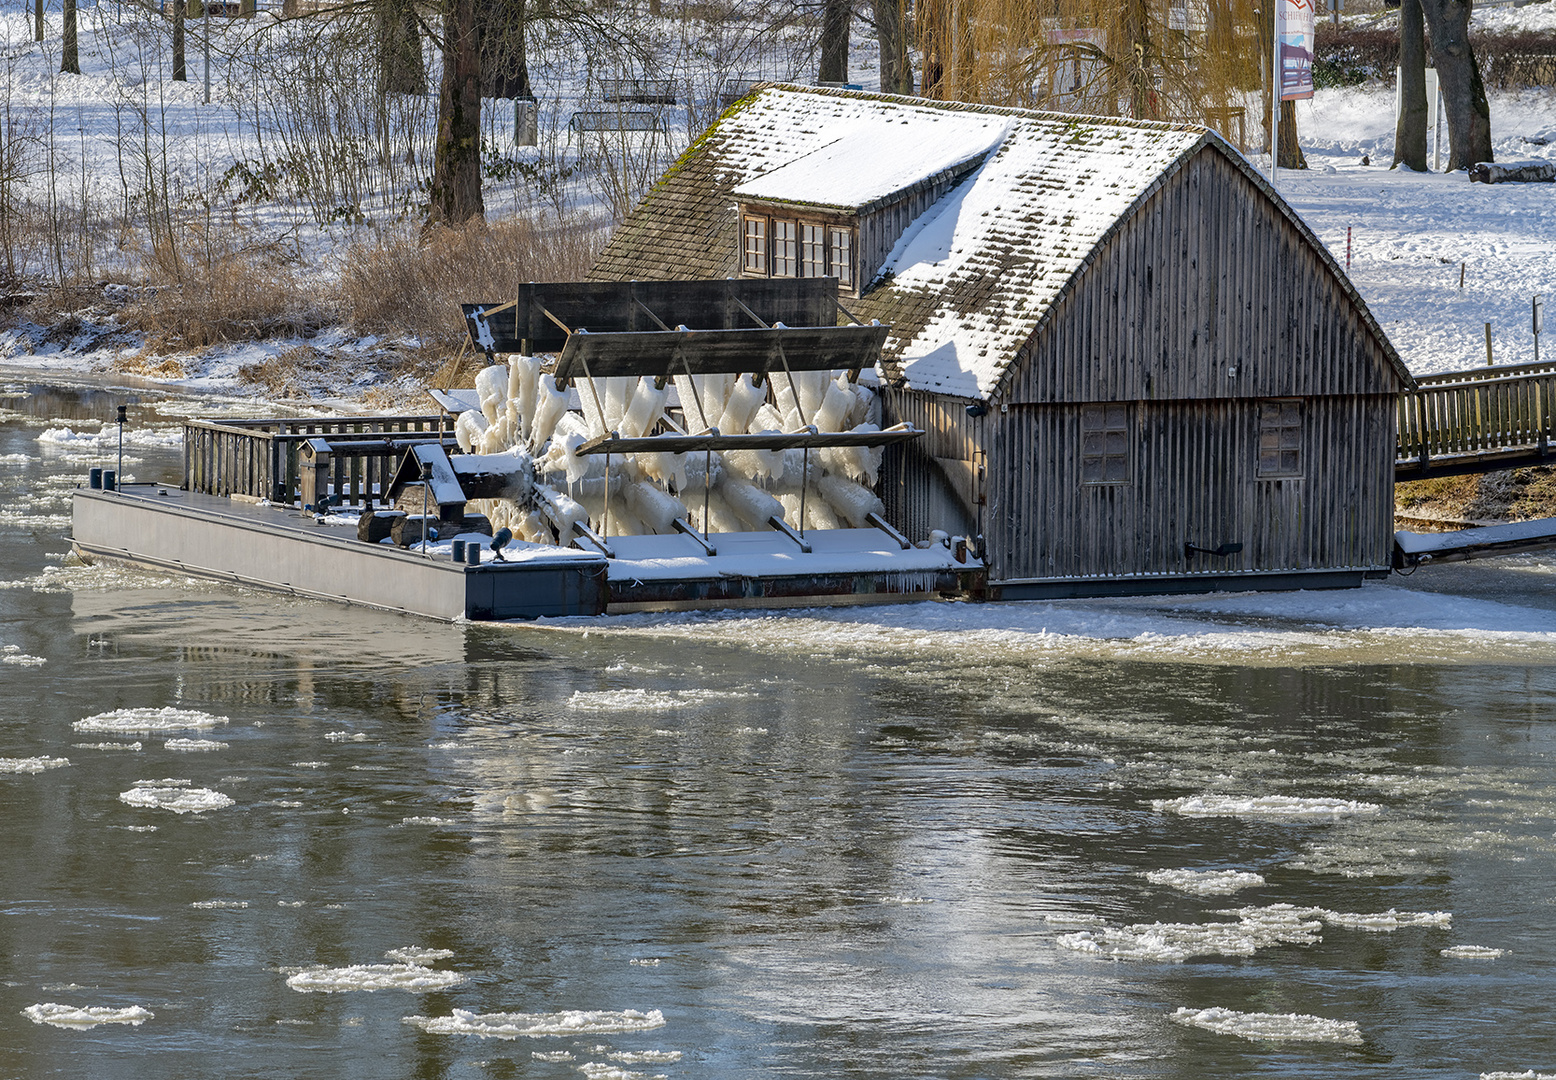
692,412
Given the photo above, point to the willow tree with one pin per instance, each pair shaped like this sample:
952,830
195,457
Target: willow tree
1194,61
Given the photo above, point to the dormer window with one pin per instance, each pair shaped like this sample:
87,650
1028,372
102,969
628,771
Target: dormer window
784,245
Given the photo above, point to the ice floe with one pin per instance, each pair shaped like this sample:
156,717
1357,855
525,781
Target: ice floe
414,954
646,1057
1528,1074
12,654
427,821
148,721
194,745
1384,922
1255,929
1205,882
1471,952
516,1025
106,745
345,736
1284,1027
32,764
413,977
220,905
639,699
174,795
82,1017
1277,807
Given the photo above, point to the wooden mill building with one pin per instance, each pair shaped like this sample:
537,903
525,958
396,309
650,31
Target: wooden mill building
1139,370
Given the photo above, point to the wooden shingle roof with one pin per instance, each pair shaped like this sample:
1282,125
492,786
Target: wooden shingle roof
972,279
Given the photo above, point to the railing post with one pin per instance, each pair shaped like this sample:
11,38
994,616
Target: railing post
1542,438
1426,456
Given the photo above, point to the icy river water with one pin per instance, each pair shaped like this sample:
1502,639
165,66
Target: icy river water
1308,836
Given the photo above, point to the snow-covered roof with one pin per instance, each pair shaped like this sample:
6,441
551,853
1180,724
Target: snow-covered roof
873,163
971,280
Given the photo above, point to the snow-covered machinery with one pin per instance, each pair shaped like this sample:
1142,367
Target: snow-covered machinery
684,419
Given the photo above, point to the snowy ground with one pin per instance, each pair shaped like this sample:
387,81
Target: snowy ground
1409,233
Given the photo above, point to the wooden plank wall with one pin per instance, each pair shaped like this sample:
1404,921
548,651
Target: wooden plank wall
1204,303
923,481
1193,480
1208,292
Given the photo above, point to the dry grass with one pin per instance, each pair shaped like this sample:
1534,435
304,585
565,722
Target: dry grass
1515,495
406,283
228,287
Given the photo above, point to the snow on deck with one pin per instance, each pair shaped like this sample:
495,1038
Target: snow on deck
772,554
874,161
1412,543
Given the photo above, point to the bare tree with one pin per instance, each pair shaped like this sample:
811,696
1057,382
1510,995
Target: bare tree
456,161
1410,129
891,36
70,56
836,17
179,72
1464,95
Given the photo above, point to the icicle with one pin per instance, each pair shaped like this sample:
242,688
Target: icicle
745,397
834,410
491,385
523,379
470,426
668,469
852,501
656,509
750,503
648,403
550,407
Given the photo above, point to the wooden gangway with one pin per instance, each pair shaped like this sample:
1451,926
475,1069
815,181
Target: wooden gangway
1462,422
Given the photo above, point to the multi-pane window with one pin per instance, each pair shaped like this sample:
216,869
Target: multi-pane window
790,247
840,255
756,245
1280,438
785,248
813,250
1104,444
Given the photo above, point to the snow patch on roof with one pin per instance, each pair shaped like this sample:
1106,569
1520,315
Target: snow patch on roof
1018,229
875,159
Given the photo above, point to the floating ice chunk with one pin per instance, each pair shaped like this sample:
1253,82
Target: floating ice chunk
1529,1074
515,1025
148,721
1280,1027
1278,807
107,745
174,795
619,700
194,745
599,1070
1205,882
310,764
646,1057
32,764
12,654
427,821
551,1055
1385,922
1471,952
346,736
220,905
413,977
414,954
74,1016
1256,928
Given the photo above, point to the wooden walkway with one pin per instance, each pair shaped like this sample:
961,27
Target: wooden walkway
1463,422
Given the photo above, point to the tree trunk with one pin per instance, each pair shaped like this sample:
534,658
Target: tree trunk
37,20
504,60
70,57
178,42
456,165
1464,95
1291,156
1136,54
896,66
401,68
835,19
1410,130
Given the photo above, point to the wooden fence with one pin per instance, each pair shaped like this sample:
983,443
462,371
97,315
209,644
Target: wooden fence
260,458
1476,421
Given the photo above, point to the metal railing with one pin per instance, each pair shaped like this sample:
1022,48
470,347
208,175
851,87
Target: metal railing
260,458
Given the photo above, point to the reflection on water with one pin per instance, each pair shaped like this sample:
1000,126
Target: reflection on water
955,841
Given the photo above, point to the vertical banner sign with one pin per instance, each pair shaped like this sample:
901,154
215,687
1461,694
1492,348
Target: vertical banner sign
1297,48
